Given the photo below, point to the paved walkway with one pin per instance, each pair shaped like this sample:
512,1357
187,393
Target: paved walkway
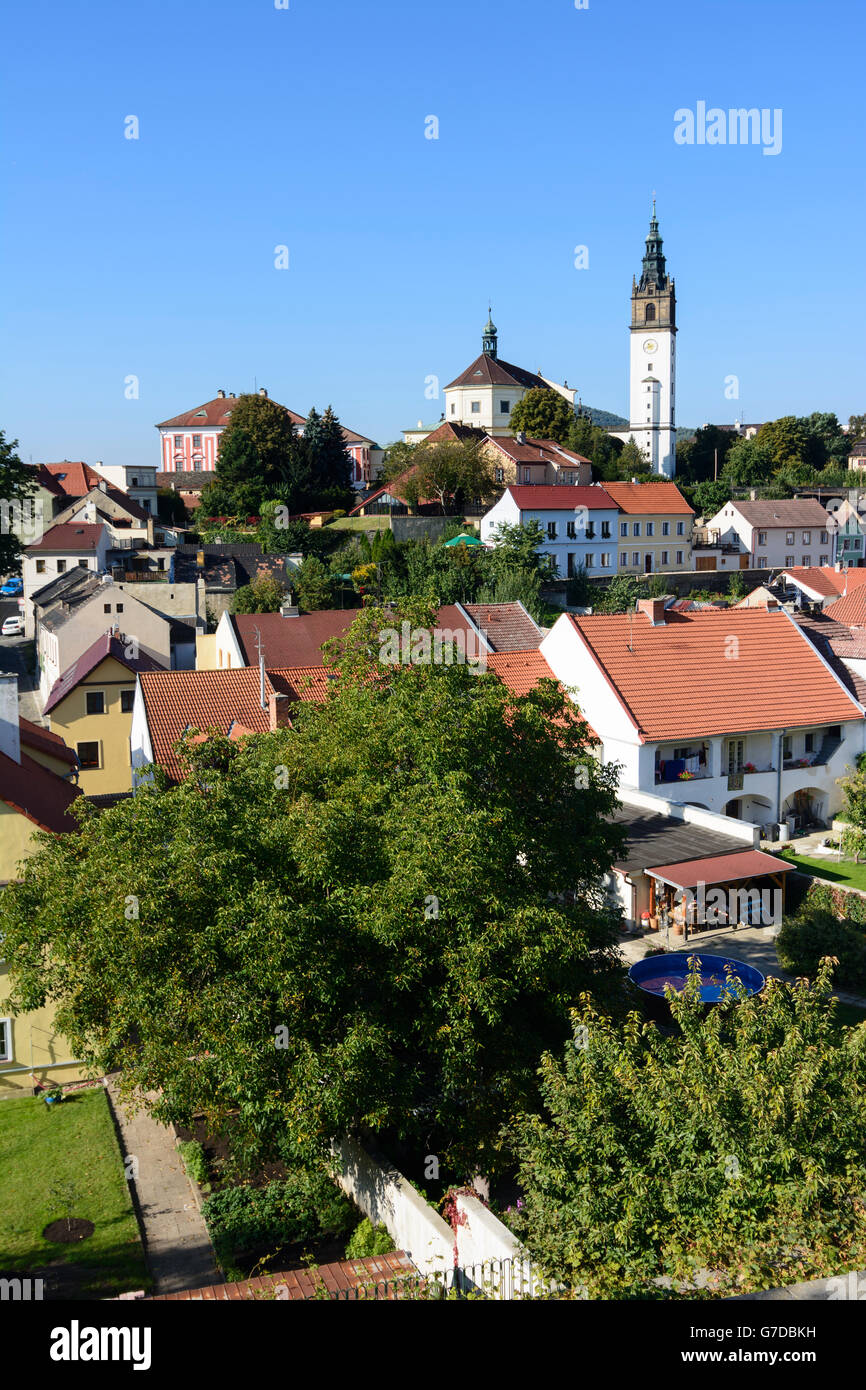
176,1243
14,657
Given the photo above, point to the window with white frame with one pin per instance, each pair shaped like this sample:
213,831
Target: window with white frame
666,528
681,528
823,560
551,530
650,528
605,559
679,557
571,530
623,559
475,407
789,537
789,560
762,538
635,558
635,528
807,537
5,1040
664,557
623,528
807,560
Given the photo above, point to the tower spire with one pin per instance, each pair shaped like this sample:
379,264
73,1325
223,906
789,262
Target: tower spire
489,342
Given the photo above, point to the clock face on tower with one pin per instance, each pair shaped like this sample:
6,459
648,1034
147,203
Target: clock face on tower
650,345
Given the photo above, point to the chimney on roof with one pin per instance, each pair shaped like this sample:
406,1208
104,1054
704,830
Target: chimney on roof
654,608
102,485
221,394
520,437
10,729
289,609
263,392
278,711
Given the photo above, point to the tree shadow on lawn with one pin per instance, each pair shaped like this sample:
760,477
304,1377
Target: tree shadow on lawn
110,1270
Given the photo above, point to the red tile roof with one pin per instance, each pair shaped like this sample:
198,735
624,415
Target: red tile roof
376,1274
492,371
34,736
73,479
560,497
686,678
648,499
38,793
507,626
720,868
521,672
71,536
851,609
538,451
298,641
104,647
821,580
214,414
175,701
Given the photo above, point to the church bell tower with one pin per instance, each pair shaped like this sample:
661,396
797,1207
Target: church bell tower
652,395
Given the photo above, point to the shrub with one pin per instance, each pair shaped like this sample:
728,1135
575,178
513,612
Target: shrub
367,1239
815,933
245,1220
195,1162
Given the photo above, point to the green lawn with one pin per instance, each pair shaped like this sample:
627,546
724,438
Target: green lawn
835,871
359,523
44,1147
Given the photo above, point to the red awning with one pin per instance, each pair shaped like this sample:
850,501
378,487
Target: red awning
721,868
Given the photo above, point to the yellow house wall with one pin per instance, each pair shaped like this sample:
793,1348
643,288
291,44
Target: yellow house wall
53,764
110,730
36,1045
16,834
656,543
37,1049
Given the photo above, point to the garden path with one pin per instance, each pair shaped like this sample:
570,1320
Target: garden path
176,1243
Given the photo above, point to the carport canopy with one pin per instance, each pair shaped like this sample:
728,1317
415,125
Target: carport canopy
723,868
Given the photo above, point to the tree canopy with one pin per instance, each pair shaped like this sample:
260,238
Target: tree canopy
543,414
727,1151
378,917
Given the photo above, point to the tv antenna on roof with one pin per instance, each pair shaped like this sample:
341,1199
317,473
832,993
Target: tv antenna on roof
260,649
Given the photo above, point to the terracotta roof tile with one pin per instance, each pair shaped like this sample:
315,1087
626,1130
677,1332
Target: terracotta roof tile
851,609
73,479
338,1279
648,499
687,678
538,451
507,626
521,672
298,641
560,497
70,536
222,700
721,868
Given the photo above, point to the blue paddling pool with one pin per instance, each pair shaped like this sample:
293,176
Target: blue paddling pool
655,972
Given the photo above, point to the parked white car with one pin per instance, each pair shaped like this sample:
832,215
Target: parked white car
12,626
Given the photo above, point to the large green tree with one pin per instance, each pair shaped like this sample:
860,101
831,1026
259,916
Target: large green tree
543,414
260,448
728,1147
374,919
450,472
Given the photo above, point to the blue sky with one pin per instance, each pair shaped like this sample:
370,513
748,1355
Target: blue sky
304,127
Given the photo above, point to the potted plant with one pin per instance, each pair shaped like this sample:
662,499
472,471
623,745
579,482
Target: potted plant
686,776
749,767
